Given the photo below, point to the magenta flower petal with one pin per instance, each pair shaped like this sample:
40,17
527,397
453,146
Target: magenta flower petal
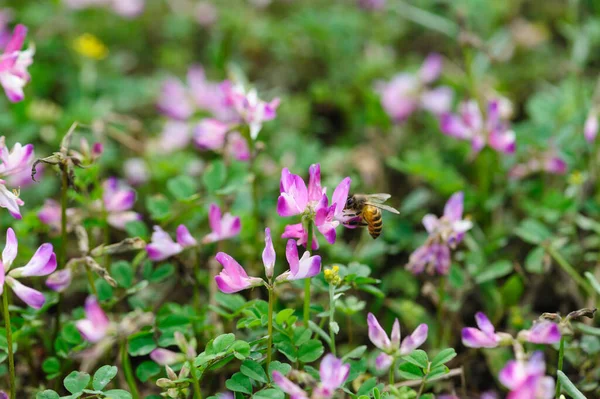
377,334
484,323
431,68
42,263
340,195
416,339
31,297
165,357
209,134
314,183
162,245
294,194
298,232
437,101
383,361
10,249
233,277
590,129
214,218
288,386
453,210
18,160
268,255
59,280
117,196
10,201
452,125
474,338
174,101
544,332
184,238
95,326
333,373
395,336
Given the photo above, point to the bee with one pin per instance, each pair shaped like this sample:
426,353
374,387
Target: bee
365,209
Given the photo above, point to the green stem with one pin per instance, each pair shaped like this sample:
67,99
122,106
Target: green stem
332,317
561,353
421,388
90,277
441,310
11,356
270,329
307,281
128,372
63,218
570,270
393,372
195,381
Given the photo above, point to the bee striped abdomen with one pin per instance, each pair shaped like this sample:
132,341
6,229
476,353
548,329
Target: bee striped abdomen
372,216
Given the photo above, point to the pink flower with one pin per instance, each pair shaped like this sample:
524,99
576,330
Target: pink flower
95,326
527,380
211,134
176,135
233,277
268,255
14,64
298,199
59,280
162,245
222,228
118,199
165,357
444,233
136,171
17,160
300,268
590,129
470,125
249,108
10,201
42,263
124,8
333,373
5,18
484,337
544,332
392,347
372,4
547,161
406,93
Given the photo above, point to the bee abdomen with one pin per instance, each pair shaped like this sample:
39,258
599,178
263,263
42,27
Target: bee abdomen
376,223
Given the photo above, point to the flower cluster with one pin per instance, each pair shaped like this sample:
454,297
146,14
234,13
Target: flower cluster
312,203
15,162
547,161
471,125
14,64
162,245
333,373
527,379
407,93
445,233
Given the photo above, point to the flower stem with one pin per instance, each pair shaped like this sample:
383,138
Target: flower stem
90,277
332,316
421,388
561,353
393,372
11,356
307,281
63,218
195,381
441,310
270,329
568,268
128,372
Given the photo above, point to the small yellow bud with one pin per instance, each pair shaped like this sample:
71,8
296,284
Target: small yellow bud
90,46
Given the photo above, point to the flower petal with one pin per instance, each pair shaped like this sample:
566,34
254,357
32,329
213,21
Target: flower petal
10,249
184,238
268,254
31,297
431,68
42,263
416,339
484,323
377,334
474,338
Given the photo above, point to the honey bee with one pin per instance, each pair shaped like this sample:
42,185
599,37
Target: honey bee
365,210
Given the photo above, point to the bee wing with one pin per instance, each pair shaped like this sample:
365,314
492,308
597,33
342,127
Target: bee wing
384,207
378,198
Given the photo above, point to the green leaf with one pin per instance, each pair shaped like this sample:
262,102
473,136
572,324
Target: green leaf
51,365
182,187
214,176
283,316
587,329
418,357
162,272
117,394
159,207
592,279
438,371
409,371
443,357
533,231
310,351
355,353
147,370
239,383
103,376
122,272
141,344
367,386
47,394
283,368
76,381
534,262
253,370
271,393
105,291
222,342
569,387
494,271
137,228
70,333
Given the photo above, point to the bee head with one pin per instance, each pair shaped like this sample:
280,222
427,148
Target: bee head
350,201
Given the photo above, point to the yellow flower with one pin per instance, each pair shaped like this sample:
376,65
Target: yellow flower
90,46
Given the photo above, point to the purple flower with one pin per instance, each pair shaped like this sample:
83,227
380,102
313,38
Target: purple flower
544,332
233,277
298,232
222,228
124,8
176,135
14,64
42,263
469,124
165,357
136,171
268,255
527,380
5,18
372,4
333,373
590,129
300,268
406,93
118,199
547,161
211,134
444,233
174,100
249,108
298,199
162,245
17,160
96,325
484,337
391,346
59,280
10,201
